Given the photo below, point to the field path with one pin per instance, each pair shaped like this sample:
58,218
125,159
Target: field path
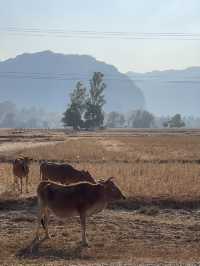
112,145
17,146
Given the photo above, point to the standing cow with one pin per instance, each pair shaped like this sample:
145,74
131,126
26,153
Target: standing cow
63,173
20,171
82,199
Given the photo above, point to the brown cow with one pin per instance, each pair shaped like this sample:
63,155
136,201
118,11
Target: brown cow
63,173
82,199
20,171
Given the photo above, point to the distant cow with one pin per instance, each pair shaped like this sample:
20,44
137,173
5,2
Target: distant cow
63,173
20,171
81,199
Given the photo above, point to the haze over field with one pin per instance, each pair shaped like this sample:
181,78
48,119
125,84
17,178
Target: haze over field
170,91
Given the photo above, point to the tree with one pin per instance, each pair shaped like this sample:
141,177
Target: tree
115,119
7,108
141,119
74,113
78,97
94,116
9,121
176,121
72,118
166,124
32,123
45,124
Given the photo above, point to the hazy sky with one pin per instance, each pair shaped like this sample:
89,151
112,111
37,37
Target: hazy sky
148,16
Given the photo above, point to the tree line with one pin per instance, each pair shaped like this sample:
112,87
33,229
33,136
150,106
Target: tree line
85,111
13,117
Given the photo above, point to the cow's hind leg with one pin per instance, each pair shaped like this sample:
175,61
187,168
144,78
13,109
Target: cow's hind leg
40,214
44,222
83,229
43,219
21,184
40,221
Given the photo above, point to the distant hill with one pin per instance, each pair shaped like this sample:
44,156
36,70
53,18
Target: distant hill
45,79
170,91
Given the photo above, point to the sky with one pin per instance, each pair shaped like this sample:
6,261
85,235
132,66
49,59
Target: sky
141,16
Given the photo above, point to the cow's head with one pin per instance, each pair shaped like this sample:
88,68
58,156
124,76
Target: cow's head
112,190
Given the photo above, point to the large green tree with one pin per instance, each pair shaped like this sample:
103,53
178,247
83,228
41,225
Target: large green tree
141,119
94,115
73,116
115,119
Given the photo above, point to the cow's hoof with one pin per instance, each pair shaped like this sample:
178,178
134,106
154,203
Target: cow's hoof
36,239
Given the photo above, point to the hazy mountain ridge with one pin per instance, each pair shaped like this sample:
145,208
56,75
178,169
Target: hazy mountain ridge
190,72
170,91
45,79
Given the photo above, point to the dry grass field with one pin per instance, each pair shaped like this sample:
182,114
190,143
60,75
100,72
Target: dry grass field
159,171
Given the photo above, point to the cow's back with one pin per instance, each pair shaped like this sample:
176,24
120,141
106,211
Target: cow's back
64,173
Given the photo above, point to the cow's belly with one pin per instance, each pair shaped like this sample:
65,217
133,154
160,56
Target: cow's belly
62,214
67,211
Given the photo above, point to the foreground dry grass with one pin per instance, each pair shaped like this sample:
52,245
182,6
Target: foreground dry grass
145,166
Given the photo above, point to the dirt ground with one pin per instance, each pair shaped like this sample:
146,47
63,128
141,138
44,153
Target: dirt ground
148,235
115,236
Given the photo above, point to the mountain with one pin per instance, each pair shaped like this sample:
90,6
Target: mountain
170,91
45,79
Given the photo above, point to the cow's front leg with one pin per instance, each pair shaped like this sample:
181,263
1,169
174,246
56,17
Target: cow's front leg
27,184
45,223
16,183
21,184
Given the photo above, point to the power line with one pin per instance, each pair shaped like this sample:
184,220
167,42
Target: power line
96,32
78,78
38,32
86,74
